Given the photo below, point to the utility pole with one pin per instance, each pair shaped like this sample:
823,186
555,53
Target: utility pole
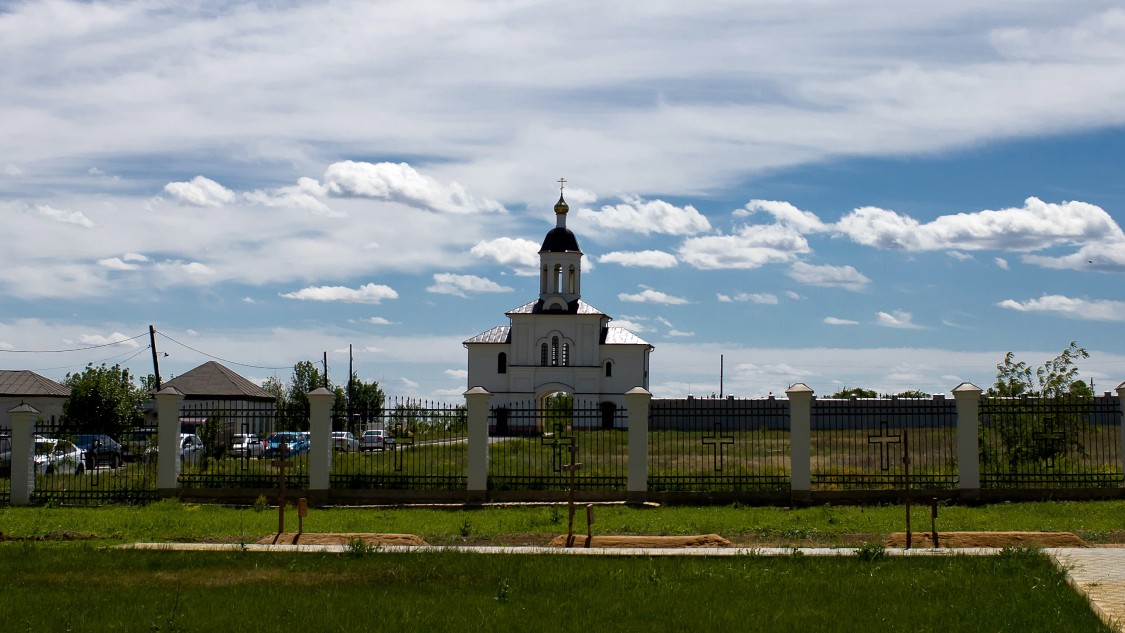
351,383
155,361
720,376
325,369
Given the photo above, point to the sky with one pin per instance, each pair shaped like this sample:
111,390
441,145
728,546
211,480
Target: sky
864,194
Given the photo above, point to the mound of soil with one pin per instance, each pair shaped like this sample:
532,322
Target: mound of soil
987,539
702,540
341,538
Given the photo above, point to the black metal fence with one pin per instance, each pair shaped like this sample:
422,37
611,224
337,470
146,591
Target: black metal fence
235,452
84,466
860,444
5,469
423,446
1071,442
718,445
539,446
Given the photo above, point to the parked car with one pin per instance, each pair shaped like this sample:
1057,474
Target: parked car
137,444
246,445
191,447
344,441
375,440
55,456
100,449
285,443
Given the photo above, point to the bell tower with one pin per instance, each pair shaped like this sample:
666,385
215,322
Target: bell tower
560,262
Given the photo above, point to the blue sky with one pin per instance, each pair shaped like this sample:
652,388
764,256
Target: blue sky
842,194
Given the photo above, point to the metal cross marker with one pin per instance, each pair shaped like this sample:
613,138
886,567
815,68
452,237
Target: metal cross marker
559,441
571,468
1049,439
562,183
717,442
885,439
281,464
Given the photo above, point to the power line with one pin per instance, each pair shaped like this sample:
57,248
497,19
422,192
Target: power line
75,349
214,356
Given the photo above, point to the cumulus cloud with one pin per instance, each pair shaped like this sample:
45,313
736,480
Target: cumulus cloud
116,338
76,218
753,297
828,276
368,293
460,285
307,194
835,321
751,247
1001,263
647,216
379,321
648,295
1035,226
786,214
116,263
1070,307
399,182
517,253
640,259
197,268
896,319
201,192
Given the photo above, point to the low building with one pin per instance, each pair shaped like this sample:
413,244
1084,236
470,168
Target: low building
27,387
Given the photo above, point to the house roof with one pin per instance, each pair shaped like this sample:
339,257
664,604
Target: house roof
28,383
498,334
621,336
215,381
577,306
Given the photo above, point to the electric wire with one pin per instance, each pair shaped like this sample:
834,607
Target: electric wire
218,358
75,349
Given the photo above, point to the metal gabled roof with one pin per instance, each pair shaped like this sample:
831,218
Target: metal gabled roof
23,382
212,380
498,334
621,336
574,307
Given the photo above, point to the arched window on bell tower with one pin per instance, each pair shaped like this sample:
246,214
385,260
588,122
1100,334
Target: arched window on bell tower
558,282
543,354
609,369
566,354
554,351
572,281
502,363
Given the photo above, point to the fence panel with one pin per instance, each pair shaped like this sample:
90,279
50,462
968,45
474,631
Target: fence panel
1071,442
701,444
537,449
76,465
226,459
5,469
860,443
424,446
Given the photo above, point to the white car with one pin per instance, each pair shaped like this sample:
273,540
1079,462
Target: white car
376,440
53,455
191,447
246,445
344,441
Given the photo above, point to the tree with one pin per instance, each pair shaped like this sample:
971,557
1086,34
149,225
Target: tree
854,392
367,400
1055,378
306,377
102,400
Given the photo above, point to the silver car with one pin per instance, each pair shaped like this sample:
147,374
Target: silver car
246,445
344,441
55,456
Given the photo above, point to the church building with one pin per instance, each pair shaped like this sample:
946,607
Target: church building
558,342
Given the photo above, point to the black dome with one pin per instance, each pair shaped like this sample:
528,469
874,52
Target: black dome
560,240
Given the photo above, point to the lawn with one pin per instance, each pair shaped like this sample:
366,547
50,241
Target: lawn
82,587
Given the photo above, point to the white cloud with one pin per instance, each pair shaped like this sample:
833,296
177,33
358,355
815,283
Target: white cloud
680,333
1070,307
896,319
835,321
459,374
634,326
196,268
200,192
12,171
751,247
647,216
959,256
462,285
764,298
786,214
648,295
828,276
249,301
646,259
399,182
66,217
379,321
116,338
517,253
368,293
307,194
793,295
1001,263
116,263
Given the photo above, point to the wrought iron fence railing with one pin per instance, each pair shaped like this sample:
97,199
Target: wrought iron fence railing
860,443
1070,442
79,465
718,445
531,448
411,445
231,444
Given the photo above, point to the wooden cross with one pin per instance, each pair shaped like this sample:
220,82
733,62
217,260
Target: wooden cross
281,464
885,440
571,468
717,442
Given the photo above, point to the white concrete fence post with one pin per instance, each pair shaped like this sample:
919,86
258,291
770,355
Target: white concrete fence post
638,401
168,402
967,396
476,401
800,440
320,438
23,420
1121,412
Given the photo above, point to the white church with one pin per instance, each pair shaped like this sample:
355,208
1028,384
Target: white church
559,343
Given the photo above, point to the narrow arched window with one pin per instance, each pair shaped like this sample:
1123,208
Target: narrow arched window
554,351
566,354
502,363
609,369
543,354
571,281
558,278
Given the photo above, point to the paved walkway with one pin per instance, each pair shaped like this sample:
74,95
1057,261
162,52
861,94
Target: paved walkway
1096,572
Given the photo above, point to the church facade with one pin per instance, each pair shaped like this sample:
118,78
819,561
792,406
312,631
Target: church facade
558,342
